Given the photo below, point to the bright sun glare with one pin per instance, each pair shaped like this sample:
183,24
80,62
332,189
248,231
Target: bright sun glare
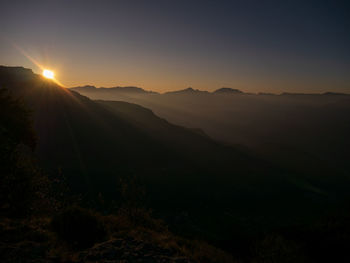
48,74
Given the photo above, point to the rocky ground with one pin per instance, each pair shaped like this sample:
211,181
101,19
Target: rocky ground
22,243
130,250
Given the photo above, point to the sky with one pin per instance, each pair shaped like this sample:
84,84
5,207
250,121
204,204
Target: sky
252,45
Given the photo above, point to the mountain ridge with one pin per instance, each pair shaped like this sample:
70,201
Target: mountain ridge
190,90
121,89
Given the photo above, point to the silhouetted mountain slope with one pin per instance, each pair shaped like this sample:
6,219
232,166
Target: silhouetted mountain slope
146,120
78,135
94,143
71,126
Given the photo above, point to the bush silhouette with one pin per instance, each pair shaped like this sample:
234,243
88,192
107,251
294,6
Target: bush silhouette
78,227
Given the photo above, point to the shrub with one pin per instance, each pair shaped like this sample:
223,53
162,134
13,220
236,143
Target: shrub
78,227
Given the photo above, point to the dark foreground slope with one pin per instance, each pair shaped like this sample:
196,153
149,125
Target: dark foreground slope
42,222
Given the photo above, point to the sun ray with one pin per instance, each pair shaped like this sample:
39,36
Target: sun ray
45,72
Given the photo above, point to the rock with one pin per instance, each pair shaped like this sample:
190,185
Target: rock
130,250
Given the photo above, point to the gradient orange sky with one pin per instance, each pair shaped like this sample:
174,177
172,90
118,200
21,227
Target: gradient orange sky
296,46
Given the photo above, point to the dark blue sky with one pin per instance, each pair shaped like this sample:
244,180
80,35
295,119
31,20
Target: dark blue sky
274,46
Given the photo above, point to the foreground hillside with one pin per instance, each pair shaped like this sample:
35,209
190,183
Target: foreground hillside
42,221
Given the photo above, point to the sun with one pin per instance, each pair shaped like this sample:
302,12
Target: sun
48,74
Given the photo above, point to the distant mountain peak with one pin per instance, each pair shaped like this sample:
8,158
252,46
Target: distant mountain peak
89,87
228,90
189,90
18,72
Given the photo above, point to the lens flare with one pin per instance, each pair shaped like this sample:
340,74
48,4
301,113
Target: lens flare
48,74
